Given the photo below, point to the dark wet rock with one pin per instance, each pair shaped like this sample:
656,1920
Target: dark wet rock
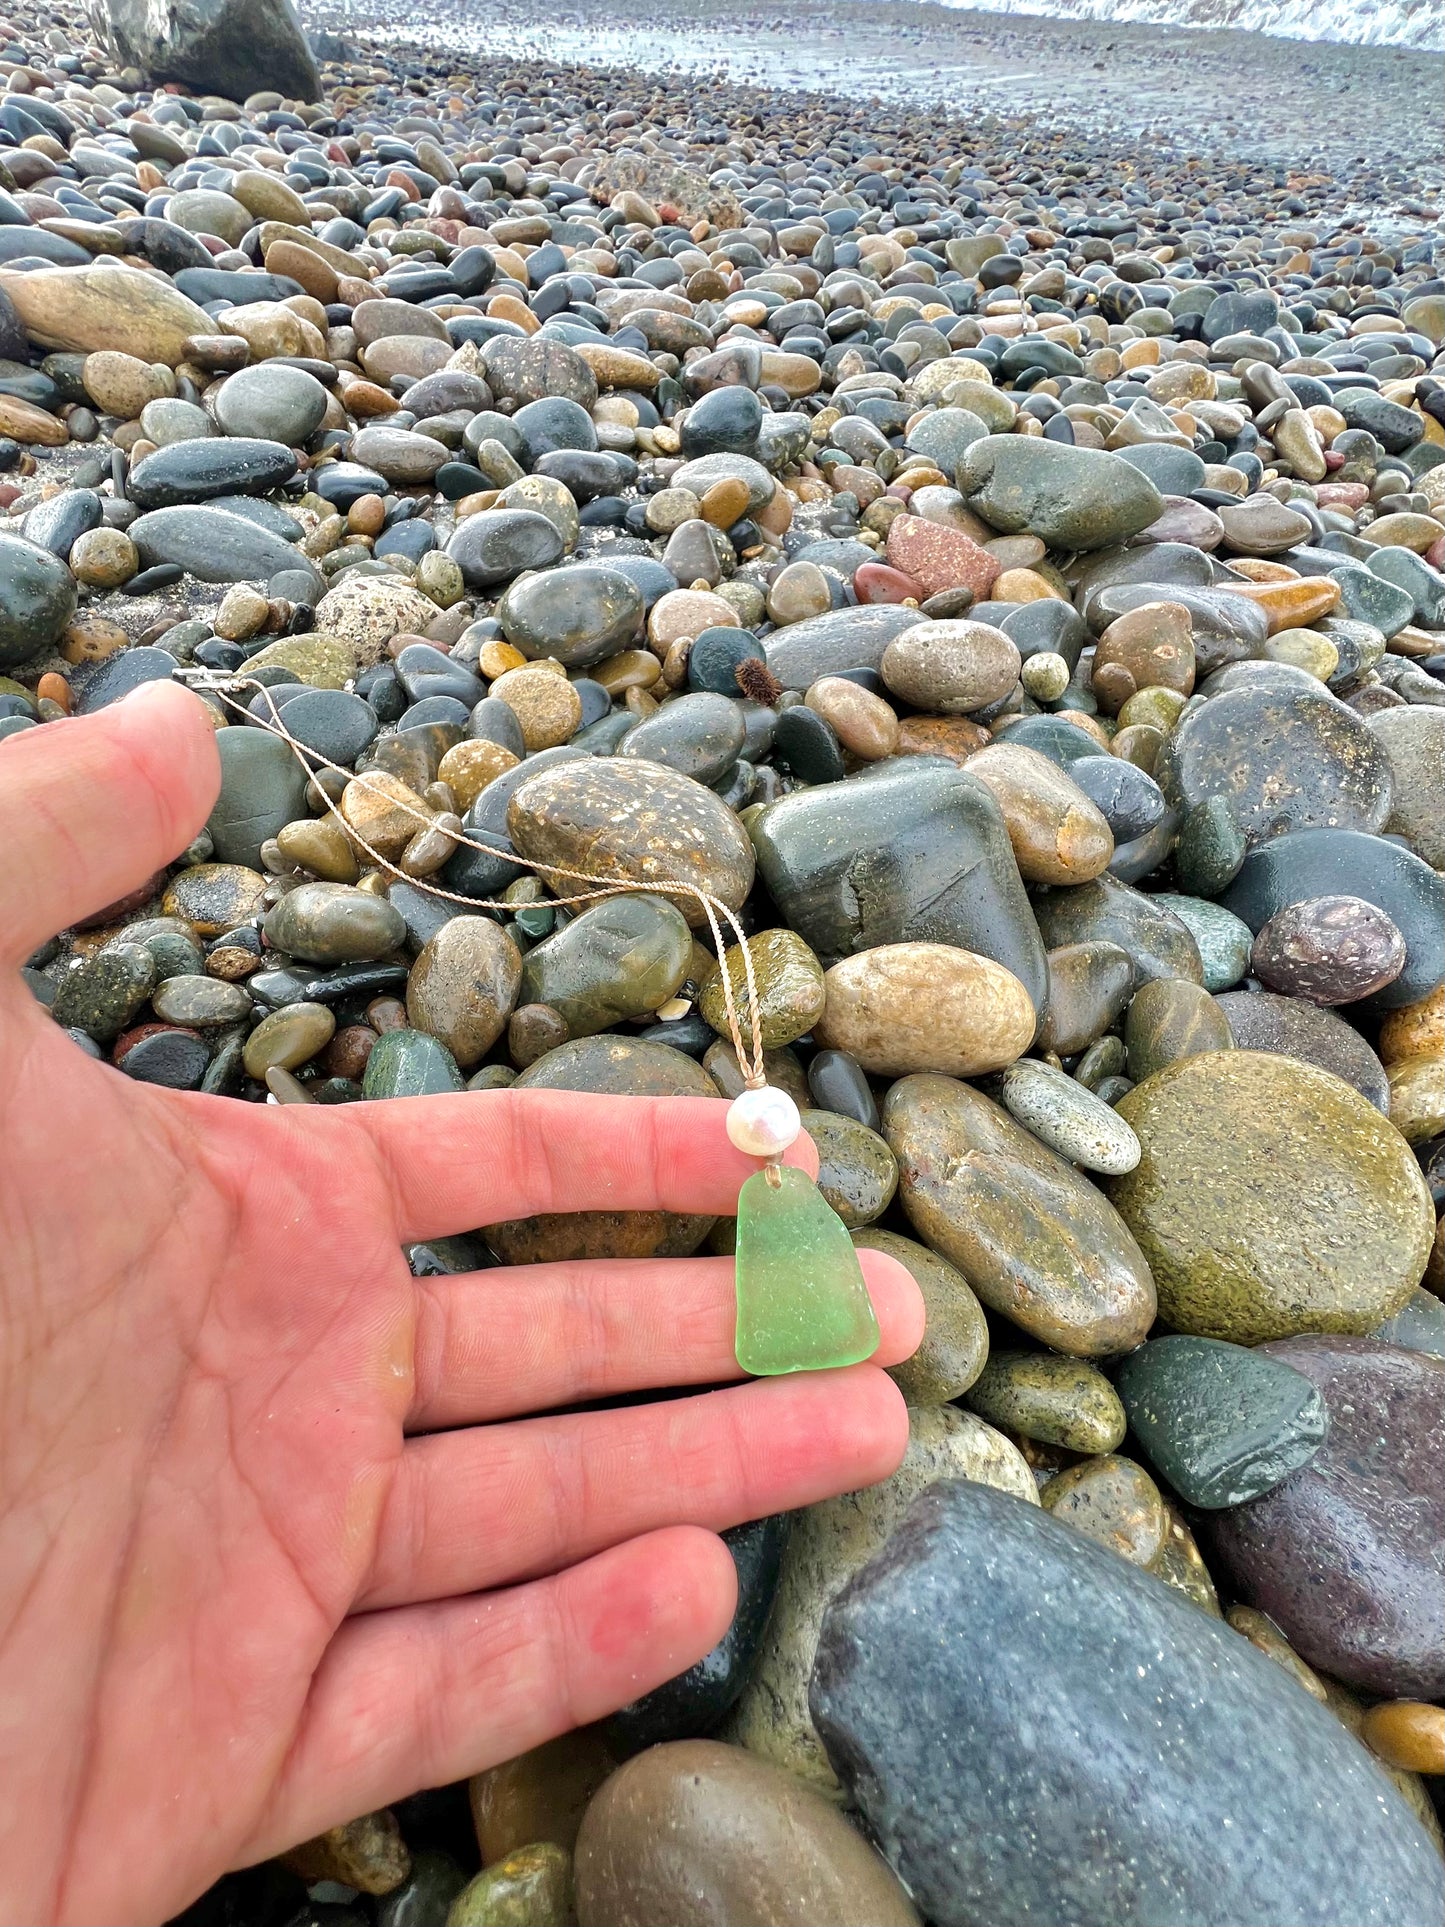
332,923
37,597
825,645
213,545
263,787
579,613
1072,498
699,734
196,471
948,1669
914,852
1264,1021
1107,911
617,960
1345,1555
1222,1423
216,46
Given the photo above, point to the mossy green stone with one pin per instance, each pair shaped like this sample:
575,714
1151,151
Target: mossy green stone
1210,849
529,1888
619,959
857,1173
263,788
408,1063
1056,1400
802,1304
101,994
323,661
1271,1198
789,981
1222,1423
1224,939
1169,1020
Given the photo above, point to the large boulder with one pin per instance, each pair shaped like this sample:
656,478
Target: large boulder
230,47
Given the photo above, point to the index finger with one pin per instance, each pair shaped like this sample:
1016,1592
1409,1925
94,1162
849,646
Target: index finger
458,1163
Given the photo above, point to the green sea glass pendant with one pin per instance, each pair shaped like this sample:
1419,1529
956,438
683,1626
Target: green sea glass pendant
802,1302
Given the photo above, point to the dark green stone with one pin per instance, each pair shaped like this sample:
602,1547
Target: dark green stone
37,599
263,788
1115,912
408,1063
1210,849
334,923
618,960
1222,1423
102,994
578,613
857,1173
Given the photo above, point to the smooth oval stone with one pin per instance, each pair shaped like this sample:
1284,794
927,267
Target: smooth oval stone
1263,1021
263,788
463,986
904,1007
271,403
704,1835
1224,941
1128,797
175,1059
101,994
214,897
699,735
616,961
695,1702
334,723
195,471
1345,1555
993,1629
332,923
409,1063
499,543
1271,1199
950,668
857,1173
1071,498
837,1083
578,613
1222,1423
1168,1020
1089,985
618,1067
1058,833
1283,759
828,1544
955,1337
1114,1502
1210,849
1108,911
852,638
1414,740
1058,1401
198,1000
790,990
214,544
1034,1239
618,821
37,599
1061,1113
1321,863
914,851
1329,950
288,1038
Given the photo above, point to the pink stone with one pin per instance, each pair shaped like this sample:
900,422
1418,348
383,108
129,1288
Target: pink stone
940,558
876,582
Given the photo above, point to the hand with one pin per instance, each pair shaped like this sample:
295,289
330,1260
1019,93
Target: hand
274,1545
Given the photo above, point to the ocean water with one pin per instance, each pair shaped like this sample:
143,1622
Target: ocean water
1393,23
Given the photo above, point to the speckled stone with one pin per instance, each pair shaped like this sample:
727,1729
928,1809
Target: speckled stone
829,1543
463,986
1114,1502
410,1063
1059,1401
101,994
904,1007
1035,1240
1271,1199
789,982
857,1173
1345,1555
1036,1730
632,822
1061,1113
214,897
1262,1021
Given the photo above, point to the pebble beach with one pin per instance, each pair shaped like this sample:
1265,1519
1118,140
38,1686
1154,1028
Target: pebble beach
967,492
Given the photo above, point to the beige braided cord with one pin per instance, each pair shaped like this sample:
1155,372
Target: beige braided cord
311,761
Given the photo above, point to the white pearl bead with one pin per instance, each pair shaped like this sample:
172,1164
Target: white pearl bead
762,1124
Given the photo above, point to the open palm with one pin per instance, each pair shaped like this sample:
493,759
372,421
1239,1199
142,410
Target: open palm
276,1543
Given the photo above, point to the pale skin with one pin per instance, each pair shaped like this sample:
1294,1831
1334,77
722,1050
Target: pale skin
279,1541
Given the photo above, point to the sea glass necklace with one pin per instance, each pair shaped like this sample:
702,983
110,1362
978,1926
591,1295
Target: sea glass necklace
802,1305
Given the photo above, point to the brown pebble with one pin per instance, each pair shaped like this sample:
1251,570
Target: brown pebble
532,1031
1408,1734
1331,950
387,1013
346,1054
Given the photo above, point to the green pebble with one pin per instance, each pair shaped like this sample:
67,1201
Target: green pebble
531,1887
1056,1400
408,1063
857,1173
104,993
1224,939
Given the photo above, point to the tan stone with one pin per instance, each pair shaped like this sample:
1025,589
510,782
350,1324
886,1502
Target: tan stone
384,812
469,767
121,384
1059,835
905,1007
85,310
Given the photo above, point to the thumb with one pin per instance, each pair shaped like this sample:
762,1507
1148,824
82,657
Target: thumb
91,807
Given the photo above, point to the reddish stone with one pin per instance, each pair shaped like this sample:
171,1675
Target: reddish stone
940,558
128,1039
1341,495
1435,554
876,582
